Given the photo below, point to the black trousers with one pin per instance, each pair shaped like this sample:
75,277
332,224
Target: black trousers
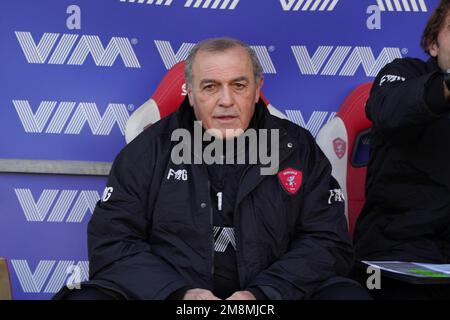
340,288
89,293
336,288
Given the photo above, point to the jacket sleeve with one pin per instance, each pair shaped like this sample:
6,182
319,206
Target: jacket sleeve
403,99
321,247
119,252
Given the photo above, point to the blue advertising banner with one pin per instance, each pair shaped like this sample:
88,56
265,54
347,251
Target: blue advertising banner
73,72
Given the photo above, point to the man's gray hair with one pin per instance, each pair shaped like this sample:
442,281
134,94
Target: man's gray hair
221,45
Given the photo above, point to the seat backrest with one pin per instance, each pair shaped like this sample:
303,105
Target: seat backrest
167,97
5,281
344,140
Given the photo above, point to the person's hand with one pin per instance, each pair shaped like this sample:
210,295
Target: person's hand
242,295
199,294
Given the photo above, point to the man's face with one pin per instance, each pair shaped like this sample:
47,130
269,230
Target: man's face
224,90
441,48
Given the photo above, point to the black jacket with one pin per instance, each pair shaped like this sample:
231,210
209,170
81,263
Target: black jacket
407,210
154,235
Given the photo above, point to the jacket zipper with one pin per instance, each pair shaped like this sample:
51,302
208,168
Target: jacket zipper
237,230
211,230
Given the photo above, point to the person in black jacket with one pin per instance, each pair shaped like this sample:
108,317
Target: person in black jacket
407,211
170,230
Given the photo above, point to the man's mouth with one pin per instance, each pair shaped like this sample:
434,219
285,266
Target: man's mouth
225,118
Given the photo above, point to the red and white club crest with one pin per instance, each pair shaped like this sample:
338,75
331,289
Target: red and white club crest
290,179
339,147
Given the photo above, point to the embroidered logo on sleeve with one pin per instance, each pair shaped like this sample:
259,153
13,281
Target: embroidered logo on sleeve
107,193
390,78
336,195
291,180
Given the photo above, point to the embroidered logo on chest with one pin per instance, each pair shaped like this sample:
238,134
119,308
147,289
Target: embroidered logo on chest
290,179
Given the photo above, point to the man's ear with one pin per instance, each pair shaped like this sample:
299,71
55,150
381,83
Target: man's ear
433,49
258,89
189,94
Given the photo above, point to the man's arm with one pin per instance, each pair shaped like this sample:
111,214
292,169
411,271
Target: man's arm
119,252
403,100
322,246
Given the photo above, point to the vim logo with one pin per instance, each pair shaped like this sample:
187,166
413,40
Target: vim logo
155,2
315,121
404,5
59,48
53,117
212,4
170,58
57,205
308,5
202,4
328,60
33,282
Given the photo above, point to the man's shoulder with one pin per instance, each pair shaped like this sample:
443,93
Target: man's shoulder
304,142
402,69
146,142
297,132
161,128
407,63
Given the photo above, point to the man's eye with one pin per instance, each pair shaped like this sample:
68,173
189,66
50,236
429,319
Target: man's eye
209,87
239,86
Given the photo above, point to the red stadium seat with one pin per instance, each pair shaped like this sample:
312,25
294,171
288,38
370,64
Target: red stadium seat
169,94
345,140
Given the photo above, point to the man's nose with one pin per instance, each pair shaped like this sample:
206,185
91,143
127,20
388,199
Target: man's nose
226,97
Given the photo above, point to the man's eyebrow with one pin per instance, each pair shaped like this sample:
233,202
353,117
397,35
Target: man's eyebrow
205,81
243,78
